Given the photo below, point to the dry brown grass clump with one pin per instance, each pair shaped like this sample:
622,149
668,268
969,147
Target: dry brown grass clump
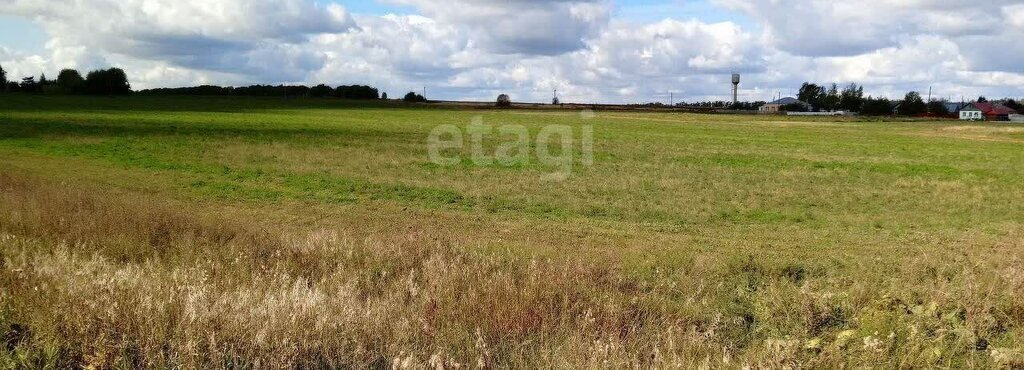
101,279
116,281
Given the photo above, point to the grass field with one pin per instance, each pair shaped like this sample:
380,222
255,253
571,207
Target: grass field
218,232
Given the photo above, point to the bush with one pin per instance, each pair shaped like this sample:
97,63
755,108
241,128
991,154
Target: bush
794,107
357,92
504,101
111,81
912,104
876,107
70,81
412,97
937,107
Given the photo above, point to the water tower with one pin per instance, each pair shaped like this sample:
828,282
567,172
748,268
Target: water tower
735,88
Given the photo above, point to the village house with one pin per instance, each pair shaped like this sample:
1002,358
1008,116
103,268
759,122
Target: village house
780,105
983,111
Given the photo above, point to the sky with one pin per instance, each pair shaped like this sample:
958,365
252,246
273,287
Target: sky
590,51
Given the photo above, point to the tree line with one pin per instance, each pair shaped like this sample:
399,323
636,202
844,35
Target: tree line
111,81
851,98
355,92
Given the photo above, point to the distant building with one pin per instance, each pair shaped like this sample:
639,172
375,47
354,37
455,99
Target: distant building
954,108
971,113
986,111
780,105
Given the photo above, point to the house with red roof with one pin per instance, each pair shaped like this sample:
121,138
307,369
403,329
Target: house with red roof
982,111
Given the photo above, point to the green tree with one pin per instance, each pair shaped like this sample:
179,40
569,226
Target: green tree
937,107
70,81
384,96
412,97
794,107
852,98
811,94
504,101
1013,104
320,91
3,79
876,107
830,101
912,104
29,85
111,81
981,99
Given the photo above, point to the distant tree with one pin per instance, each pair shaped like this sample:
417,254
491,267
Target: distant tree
555,101
29,85
384,96
937,107
852,98
981,99
111,81
504,101
320,91
412,97
357,92
70,81
1013,104
794,107
876,107
811,94
912,104
830,101
3,79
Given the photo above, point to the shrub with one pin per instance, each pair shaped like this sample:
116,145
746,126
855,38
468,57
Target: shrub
111,81
504,101
876,107
70,81
412,97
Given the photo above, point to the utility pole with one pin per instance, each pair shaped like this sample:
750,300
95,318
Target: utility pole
671,99
929,103
424,92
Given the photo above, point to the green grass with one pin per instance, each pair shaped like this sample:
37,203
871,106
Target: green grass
799,229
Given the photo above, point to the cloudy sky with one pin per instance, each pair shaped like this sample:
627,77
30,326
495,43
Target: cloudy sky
589,50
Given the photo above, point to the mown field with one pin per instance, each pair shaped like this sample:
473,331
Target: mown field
268,233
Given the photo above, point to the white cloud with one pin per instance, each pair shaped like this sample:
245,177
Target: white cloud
228,36
476,49
530,27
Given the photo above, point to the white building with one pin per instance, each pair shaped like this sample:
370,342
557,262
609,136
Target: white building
971,113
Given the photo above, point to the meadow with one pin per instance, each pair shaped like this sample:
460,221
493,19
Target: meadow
275,233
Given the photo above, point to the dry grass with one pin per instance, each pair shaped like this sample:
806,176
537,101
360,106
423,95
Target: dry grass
145,232
100,279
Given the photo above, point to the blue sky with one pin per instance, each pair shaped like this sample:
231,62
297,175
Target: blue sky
22,34
591,50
